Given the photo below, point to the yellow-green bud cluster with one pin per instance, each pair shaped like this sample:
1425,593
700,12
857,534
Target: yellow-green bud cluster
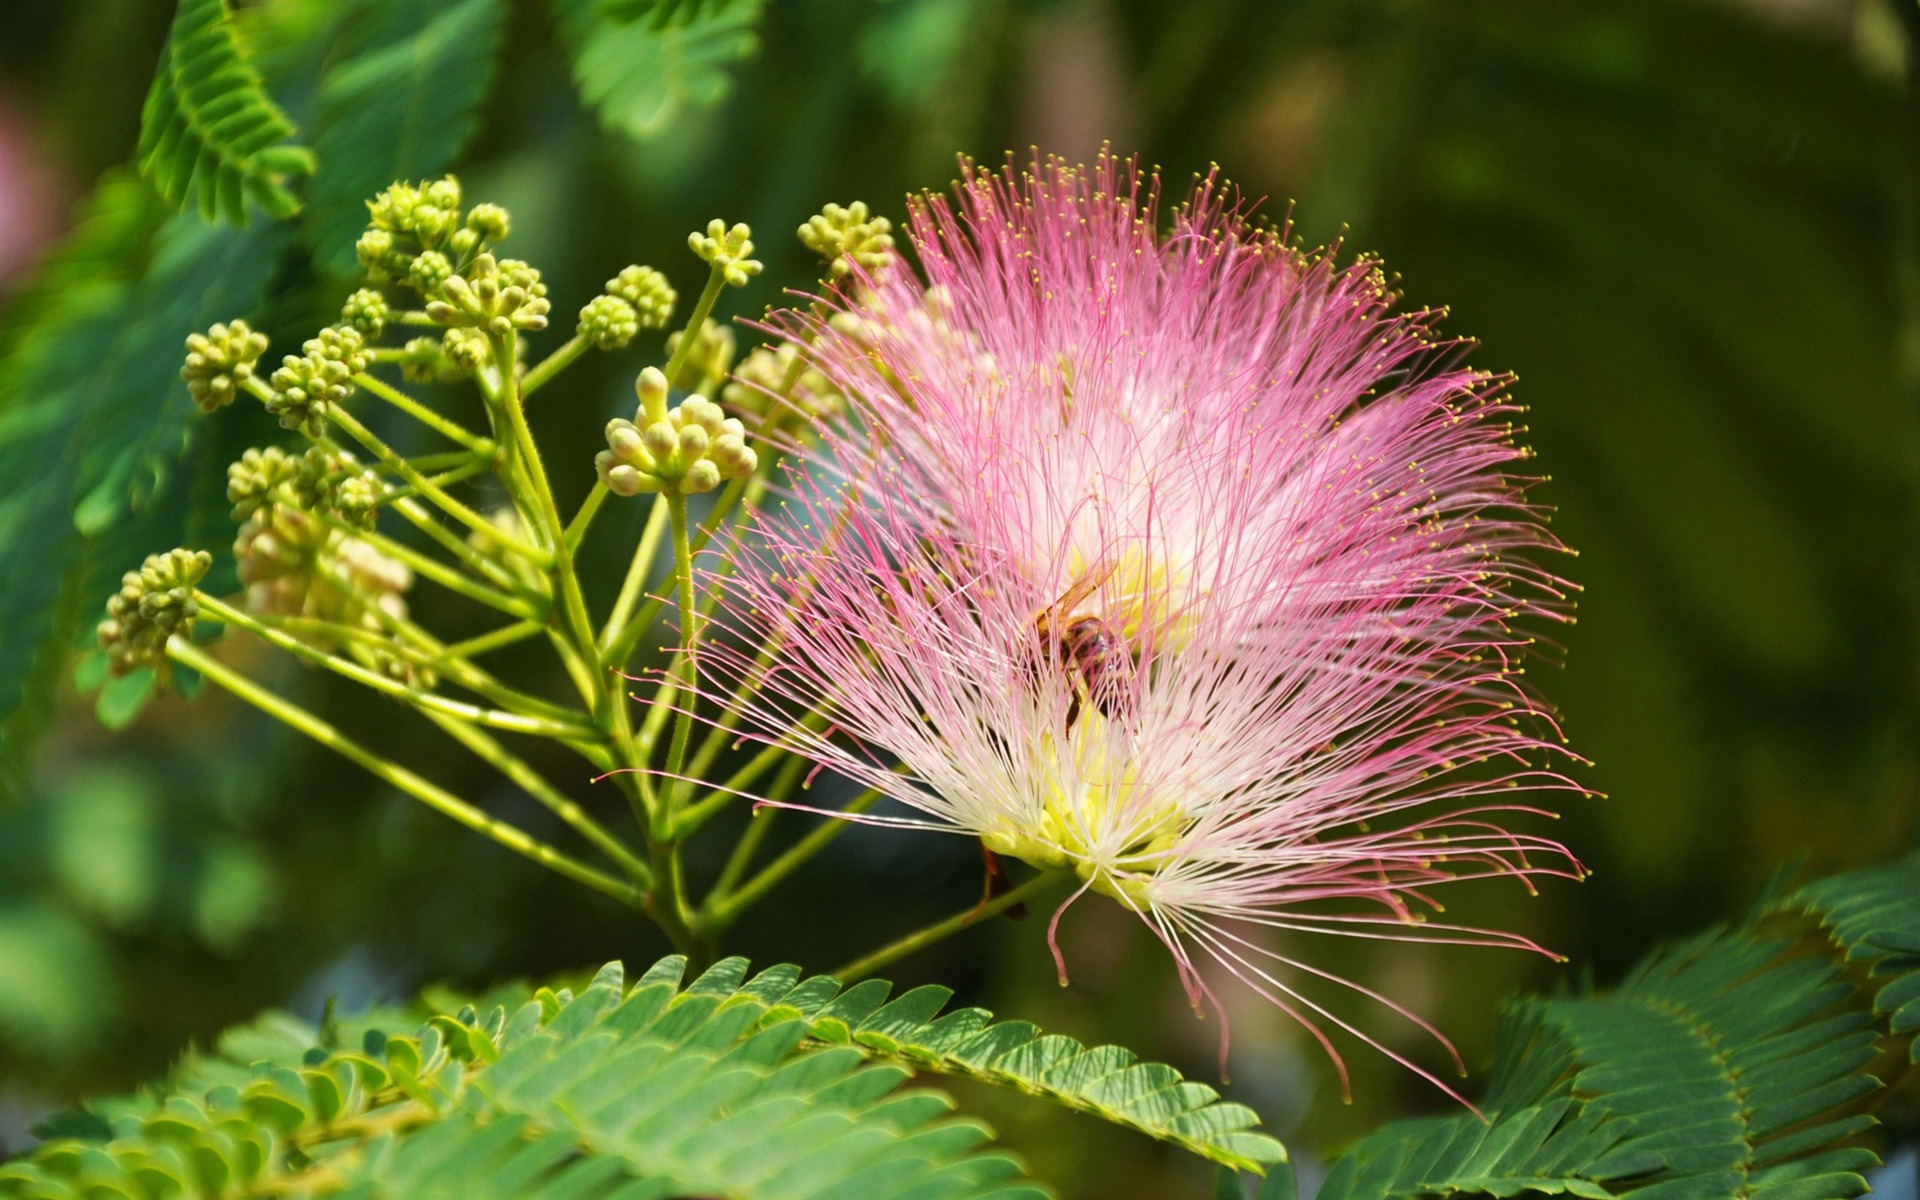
609,322
219,361
839,234
411,220
429,271
153,604
648,291
710,357
765,373
422,360
315,482
307,386
685,451
366,310
466,349
497,297
728,250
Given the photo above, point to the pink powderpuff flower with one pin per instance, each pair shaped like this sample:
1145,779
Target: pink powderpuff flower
1179,562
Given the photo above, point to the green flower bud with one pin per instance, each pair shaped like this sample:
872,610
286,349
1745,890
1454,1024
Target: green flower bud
428,272
366,310
498,297
306,387
490,221
839,234
376,252
609,322
648,291
423,361
711,357
466,349
689,451
252,480
442,193
727,249
219,360
650,387
153,604
463,243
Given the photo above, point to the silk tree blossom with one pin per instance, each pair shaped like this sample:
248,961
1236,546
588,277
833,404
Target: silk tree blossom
1180,562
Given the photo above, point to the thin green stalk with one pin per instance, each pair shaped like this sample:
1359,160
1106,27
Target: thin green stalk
620,635
758,823
860,968
447,504
506,635
453,431
531,782
694,815
573,603
429,701
752,488
562,358
434,796
458,546
441,479
675,786
716,283
723,910
434,653
433,569
589,509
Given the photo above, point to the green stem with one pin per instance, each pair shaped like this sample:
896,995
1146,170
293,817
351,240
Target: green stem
427,701
573,602
506,635
621,633
758,823
689,640
716,283
589,509
434,796
860,968
553,364
723,910
428,568
451,430
458,546
447,504
442,480
531,782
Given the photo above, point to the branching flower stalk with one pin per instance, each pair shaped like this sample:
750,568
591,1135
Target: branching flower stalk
334,538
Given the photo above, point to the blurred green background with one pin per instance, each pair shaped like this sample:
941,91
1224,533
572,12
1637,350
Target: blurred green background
1689,228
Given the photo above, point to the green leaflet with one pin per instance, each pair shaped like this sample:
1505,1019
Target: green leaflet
642,66
654,1090
210,136
1734,1064
401,102
1107,1081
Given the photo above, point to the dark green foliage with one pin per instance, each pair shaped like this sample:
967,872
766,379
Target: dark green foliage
210,135
642,65
401,103
656,1090
748,1087
1734,1065
93,416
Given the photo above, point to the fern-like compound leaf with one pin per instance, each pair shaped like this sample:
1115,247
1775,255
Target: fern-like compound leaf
210,136
640,66
1737,1064
401,101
